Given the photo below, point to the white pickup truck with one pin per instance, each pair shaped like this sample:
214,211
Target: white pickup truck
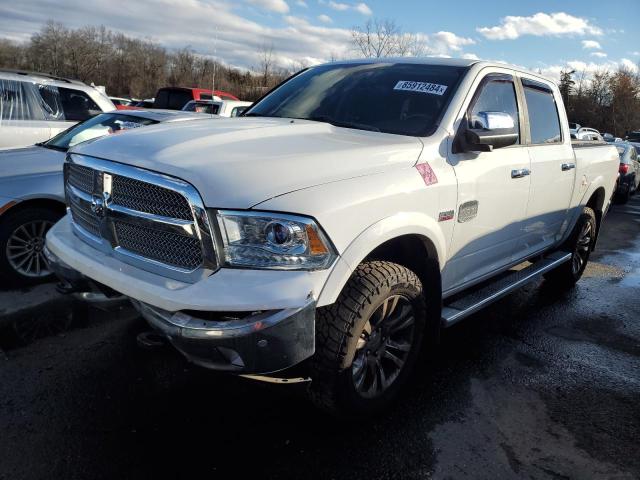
351,214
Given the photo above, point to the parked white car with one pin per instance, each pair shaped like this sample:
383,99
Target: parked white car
32,189
342,221
35,107
589,134
224,108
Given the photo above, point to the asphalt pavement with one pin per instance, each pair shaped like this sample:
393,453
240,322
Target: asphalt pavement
542,384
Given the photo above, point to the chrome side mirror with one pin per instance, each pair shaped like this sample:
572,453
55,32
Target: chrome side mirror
492,121
489,130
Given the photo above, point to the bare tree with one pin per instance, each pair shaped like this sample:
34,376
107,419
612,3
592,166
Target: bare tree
266,63
384,38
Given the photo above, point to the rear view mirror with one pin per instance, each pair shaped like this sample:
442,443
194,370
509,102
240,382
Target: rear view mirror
490,130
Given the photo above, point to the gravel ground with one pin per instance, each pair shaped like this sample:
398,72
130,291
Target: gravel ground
540,385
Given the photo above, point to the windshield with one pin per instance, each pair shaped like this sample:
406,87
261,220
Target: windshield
634,137
405,99
103,124
202,107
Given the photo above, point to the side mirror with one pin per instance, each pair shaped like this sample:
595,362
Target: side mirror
490,130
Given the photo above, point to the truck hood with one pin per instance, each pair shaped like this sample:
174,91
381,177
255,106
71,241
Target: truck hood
33,160
240,162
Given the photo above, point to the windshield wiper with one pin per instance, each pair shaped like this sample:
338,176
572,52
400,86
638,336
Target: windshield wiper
338,123
51,146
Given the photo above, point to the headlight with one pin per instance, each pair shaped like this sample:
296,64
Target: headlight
275,241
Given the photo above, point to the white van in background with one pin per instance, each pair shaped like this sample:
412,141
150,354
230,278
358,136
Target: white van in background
35,107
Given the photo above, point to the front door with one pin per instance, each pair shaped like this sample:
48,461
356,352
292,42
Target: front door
493,189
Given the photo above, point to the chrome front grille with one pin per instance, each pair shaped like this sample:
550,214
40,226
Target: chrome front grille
166,247
83,216
81,178
155,222
146,197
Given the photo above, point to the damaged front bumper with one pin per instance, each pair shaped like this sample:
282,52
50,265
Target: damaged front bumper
248,343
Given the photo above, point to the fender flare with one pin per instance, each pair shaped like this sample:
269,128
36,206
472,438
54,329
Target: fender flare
400,224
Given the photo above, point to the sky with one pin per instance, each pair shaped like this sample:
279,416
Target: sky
543,35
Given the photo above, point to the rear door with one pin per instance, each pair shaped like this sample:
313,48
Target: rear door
553,167
492,196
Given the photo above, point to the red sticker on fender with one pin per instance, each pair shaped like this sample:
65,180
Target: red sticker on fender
427,174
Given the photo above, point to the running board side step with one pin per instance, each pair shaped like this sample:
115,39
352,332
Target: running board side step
465,306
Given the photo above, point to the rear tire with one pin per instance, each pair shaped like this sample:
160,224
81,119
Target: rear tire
580,244
367,342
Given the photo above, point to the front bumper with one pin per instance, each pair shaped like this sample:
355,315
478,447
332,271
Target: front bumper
257,343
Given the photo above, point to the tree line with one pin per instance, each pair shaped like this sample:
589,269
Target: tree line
608,101
133,67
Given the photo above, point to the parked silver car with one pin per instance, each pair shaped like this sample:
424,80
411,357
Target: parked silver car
32,191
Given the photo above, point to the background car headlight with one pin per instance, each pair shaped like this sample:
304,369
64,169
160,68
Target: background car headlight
275,241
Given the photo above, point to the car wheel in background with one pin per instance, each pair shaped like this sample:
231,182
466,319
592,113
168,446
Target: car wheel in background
580,244
22,236
367,342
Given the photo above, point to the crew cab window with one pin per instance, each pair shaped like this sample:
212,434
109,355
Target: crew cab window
496,94
544,122
66,104
15,101
399,98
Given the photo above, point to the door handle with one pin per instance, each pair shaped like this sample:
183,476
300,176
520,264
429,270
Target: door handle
567,166
521,172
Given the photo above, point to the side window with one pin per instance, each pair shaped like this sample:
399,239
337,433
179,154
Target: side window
50,102
15,103
544,121
77,105
61,103
497,94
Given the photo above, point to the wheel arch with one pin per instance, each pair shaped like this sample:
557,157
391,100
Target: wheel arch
597,203
412,240
39,202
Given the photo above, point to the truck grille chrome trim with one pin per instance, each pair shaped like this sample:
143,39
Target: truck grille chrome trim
155,222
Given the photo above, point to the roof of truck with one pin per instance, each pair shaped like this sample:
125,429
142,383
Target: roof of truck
452,62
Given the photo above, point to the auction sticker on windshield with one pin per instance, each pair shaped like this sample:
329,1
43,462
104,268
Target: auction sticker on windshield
422,87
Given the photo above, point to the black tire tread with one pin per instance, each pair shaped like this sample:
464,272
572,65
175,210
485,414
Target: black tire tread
334,324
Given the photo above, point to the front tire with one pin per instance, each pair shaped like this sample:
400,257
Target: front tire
368,341
22,237
580,244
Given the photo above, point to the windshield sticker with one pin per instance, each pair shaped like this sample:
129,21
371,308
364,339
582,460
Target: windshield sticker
422,87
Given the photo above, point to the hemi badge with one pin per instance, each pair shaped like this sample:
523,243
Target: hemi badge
444,216
427,174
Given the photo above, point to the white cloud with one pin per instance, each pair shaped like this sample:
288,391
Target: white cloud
470,56
585,70
540,24
629,65
635,54
599,54
338,6
360,7
448,41
591,44
278,6
363,8
325,18
301,3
